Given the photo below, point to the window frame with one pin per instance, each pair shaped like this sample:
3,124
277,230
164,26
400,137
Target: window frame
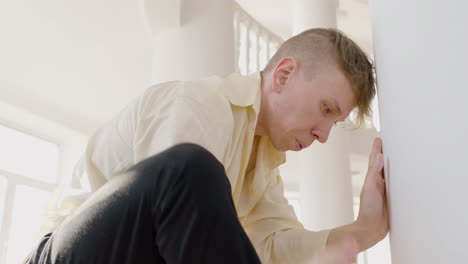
70,146
13,180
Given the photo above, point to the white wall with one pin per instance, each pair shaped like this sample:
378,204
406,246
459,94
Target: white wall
75,62
421,53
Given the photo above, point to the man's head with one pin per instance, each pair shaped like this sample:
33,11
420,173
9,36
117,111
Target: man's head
314,80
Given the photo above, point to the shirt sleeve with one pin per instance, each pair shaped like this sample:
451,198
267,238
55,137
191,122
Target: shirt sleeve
159,119
185,120
107,152
275,231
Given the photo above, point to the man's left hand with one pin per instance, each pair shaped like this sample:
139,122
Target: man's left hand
373,212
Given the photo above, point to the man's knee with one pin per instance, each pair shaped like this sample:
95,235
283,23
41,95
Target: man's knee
185,170
187,160
192,154
205,177
198,165
195,157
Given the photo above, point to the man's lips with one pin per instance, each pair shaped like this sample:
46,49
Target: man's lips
299,145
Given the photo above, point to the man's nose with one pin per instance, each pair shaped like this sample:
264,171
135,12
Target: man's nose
324,132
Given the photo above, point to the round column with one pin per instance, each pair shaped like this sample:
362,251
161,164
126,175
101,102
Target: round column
313,13
196,44
421,54
326,195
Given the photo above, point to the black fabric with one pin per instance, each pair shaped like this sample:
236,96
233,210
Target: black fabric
175,207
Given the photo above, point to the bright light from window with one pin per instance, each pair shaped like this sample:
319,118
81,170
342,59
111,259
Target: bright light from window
29,156
27,217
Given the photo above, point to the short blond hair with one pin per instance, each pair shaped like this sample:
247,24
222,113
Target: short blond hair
314,47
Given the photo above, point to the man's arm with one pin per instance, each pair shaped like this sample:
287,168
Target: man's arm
343,252
372,223
275,231
280,238
155,121
184,121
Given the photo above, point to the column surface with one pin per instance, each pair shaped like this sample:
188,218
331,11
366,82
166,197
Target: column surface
326,195
421,58
198,44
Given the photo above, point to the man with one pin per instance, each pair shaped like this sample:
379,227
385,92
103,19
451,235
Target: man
207,154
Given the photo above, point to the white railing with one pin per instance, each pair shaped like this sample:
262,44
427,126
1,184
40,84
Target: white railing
255,44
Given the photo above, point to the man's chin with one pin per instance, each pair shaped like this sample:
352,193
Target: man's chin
279,148
284,148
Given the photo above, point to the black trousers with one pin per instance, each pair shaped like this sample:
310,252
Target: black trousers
175,207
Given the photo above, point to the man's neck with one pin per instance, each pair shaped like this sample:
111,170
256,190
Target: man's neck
253,155
260,128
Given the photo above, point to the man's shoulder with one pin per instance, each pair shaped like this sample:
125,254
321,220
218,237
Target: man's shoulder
202,90
208,91
235,88
214,95
205,95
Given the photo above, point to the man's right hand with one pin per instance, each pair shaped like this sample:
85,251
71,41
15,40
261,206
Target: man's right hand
343,252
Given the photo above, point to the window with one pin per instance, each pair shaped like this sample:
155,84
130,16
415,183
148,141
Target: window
29,168
19,149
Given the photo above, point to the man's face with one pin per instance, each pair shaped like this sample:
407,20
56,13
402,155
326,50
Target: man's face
303,111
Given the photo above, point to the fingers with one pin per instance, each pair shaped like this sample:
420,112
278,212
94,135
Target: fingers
379,162
376,149
374,175
376,165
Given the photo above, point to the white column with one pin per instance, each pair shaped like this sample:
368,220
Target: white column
326,190
313,13
326,195
198,43
421,55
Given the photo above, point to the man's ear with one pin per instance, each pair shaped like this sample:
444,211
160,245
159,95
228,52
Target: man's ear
282,73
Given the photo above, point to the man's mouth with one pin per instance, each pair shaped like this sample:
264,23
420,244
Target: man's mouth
299,145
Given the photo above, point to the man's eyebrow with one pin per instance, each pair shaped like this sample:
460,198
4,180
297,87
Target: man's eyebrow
338,109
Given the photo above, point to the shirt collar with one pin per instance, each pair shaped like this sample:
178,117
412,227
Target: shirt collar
243,90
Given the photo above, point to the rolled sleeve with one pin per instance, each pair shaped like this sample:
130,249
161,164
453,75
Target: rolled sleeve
276,232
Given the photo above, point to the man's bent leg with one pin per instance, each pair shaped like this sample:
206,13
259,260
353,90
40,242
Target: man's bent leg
175,207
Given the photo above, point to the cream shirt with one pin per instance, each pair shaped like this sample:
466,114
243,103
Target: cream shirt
219,114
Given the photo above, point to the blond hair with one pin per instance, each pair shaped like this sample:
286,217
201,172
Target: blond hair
314,47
